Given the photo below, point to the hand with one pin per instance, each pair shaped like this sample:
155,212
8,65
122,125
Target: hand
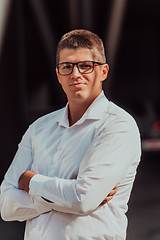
109,196
24,180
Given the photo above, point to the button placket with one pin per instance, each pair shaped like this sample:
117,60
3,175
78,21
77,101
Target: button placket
64,138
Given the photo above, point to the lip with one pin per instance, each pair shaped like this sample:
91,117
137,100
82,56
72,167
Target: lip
76,84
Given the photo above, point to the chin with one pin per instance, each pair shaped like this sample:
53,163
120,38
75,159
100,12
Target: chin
83,98
81,94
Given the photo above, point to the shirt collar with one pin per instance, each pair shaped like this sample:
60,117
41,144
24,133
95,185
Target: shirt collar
94,112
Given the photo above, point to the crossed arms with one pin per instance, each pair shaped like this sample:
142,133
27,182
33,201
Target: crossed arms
24,180
26,194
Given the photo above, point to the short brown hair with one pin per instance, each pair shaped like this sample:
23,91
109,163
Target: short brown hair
81,38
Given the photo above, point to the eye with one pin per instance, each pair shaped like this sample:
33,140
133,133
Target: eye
66,66
85,65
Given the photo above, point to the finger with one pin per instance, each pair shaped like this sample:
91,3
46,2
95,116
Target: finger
107,199
112,192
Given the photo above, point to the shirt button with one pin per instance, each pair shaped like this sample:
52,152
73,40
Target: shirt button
53,167
69,129
39,228
60,149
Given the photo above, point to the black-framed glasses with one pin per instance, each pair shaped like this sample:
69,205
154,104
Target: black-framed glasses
84,67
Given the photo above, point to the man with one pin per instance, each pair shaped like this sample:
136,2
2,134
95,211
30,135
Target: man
69,160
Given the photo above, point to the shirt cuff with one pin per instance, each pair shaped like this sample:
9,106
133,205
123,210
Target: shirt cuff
50,189
35,184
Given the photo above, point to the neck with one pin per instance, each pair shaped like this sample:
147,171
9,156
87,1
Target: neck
77,108
75,113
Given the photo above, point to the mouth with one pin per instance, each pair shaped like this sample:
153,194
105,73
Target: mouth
77,84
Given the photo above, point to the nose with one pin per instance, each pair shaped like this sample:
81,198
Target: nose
76,72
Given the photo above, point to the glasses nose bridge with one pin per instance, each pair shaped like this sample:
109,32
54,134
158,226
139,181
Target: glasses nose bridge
75,64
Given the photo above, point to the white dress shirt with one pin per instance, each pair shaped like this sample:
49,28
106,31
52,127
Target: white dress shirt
76,169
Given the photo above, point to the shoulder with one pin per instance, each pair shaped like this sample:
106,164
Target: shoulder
120,126
48,117
46,121
117,118
116,111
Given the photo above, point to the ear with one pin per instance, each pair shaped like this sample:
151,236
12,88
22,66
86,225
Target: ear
104,69
58,75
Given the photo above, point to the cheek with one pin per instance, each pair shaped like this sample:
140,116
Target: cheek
63,85
95,80
62,81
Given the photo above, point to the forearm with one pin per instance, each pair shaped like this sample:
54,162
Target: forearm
19,205
56,197
58,193
62,194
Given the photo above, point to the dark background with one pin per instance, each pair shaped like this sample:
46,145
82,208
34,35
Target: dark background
130,30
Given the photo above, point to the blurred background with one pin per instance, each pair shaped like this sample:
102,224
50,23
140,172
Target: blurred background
130,30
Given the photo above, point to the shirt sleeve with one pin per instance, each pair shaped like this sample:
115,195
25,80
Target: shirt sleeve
104,165
16,204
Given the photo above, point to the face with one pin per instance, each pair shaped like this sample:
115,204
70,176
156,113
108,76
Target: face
81,88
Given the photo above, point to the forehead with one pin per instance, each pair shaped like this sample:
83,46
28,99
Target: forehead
75,55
